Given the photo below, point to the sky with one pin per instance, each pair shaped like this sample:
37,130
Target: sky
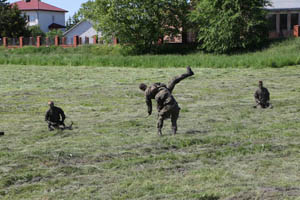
70,5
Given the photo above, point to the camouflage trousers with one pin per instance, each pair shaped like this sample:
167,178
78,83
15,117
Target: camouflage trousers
168,111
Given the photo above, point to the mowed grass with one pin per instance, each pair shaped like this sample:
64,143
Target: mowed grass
224,149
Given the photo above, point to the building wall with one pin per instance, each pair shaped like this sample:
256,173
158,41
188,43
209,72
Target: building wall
32,17
277,19
45,18
84,29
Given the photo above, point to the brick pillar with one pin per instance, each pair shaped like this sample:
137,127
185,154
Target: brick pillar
21,42
75,41
63,40
296,31
38,41
5,44
56,41
95,39
115,41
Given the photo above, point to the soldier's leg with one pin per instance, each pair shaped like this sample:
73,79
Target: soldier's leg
174,117
160,124
177,79
50,127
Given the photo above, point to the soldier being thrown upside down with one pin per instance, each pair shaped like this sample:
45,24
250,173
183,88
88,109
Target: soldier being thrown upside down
167,106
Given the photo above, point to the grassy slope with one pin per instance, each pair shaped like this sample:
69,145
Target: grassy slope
224,149
279,54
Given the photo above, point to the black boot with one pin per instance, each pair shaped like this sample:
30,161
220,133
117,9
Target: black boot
189,70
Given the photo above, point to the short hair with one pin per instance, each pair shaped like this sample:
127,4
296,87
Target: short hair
143,86
50,103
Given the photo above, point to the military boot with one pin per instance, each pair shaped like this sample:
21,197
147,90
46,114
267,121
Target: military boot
174,130
189,70
159,132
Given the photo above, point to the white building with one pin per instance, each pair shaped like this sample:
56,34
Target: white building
283,15
42,14
83,29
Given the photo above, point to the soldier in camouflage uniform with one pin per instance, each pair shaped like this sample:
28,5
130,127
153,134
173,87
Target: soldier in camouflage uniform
167,106
55,117
262,97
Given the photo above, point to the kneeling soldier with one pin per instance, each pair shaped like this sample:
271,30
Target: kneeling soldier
262,97
55,117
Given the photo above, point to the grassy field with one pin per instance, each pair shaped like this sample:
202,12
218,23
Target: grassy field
224,149
278,54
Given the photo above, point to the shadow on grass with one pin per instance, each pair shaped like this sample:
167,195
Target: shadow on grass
193,132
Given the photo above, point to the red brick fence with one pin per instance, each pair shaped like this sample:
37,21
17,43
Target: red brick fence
47,41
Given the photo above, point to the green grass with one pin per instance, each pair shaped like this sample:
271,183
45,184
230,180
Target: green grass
277,55
224,149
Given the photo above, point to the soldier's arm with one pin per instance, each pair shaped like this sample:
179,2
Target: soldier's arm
268,95
149,104
63,116
47,116
256,96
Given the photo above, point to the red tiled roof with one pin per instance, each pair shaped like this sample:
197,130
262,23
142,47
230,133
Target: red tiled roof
37,5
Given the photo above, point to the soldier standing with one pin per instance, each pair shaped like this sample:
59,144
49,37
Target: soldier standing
55,116
167,106
262,97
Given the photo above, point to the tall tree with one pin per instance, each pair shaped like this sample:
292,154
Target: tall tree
224,26
12,22
72,21
136,22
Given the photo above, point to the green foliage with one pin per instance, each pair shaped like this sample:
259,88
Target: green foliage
36,31
225,26
12,23
55,32
72,21
135,22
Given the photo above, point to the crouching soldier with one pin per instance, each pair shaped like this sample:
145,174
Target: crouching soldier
167,106
55,117
262,97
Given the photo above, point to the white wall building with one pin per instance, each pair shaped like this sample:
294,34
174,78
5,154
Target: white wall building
42,14
83,29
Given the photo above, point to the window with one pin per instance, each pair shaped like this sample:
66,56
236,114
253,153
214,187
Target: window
283,21
272,22
294,20
53,19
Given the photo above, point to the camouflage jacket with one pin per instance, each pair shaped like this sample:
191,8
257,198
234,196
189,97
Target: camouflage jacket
161,93
55,114
262,95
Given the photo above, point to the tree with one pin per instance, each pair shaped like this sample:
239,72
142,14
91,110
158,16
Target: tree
36,31
135,22
224,26
54,32
76,18
12,22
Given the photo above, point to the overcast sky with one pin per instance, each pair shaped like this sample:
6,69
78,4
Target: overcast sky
70,5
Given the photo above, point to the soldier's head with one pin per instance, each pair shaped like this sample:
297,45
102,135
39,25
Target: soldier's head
260,84
51,104
143,86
